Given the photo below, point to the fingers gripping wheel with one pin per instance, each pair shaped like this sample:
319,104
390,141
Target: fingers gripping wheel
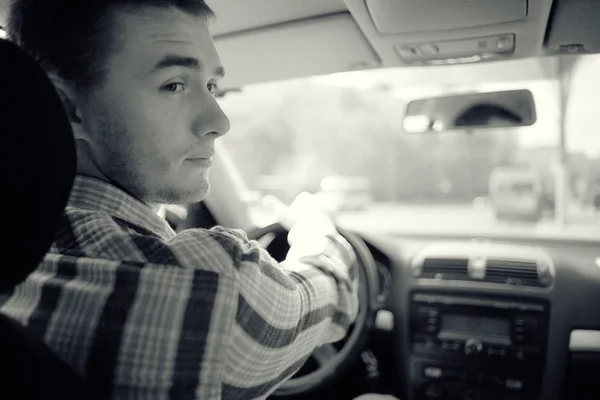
333,363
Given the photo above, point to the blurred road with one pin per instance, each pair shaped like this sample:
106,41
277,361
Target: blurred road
460,219
465,219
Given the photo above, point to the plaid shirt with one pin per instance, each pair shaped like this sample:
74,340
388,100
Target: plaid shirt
145,313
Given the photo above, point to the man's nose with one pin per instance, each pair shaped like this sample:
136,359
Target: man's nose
212,119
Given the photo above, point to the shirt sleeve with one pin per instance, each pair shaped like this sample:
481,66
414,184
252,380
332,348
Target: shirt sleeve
206,314
285,310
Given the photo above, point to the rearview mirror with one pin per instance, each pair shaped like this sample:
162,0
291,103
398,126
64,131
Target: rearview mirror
470,111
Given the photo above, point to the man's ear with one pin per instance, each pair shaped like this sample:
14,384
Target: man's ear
70,100
68,97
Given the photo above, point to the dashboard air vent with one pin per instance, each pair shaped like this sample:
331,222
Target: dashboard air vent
512,272
445,268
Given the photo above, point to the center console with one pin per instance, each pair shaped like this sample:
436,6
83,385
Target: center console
476,348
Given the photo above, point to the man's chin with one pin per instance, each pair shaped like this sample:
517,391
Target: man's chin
197,197
184,196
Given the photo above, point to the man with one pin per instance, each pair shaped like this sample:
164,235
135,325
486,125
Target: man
139,311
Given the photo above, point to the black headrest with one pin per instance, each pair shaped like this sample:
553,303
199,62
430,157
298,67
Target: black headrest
37,163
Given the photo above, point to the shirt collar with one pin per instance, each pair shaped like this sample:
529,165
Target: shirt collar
94,194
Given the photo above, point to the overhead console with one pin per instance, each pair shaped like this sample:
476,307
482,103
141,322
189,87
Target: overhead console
456,51
434,32
413,16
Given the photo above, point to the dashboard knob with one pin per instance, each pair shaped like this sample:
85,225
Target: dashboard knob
473,346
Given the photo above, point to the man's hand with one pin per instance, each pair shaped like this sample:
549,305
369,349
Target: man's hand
308,224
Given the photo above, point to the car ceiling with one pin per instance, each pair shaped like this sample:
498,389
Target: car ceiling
267,40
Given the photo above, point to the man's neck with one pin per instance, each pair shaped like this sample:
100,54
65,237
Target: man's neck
86,164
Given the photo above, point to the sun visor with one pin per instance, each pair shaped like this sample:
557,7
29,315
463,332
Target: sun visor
314,46
574,27
412,16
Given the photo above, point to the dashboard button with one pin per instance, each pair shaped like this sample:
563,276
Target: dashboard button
433,312
432,372
498,353
451,346
528,323
520,338
425,346
521,354
428,311
514,384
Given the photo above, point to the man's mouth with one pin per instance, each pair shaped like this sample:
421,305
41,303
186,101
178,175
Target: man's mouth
202,154
200,161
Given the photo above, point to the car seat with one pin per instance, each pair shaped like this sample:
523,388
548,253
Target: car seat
38,166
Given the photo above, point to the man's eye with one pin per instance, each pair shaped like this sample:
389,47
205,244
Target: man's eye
174,87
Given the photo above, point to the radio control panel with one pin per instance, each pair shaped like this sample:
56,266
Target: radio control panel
466,347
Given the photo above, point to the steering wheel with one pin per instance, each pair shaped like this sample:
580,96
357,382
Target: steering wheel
333,363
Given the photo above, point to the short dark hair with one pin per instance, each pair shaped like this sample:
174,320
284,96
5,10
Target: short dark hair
72,37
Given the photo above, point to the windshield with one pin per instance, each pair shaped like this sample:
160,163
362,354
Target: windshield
341,137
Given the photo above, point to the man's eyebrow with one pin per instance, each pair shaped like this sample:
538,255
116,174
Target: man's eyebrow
172,60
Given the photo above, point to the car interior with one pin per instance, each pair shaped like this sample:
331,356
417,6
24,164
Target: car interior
452,313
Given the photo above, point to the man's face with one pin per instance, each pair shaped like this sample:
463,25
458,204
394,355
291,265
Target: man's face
153,122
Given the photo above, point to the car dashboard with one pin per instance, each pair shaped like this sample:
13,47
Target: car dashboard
490,319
